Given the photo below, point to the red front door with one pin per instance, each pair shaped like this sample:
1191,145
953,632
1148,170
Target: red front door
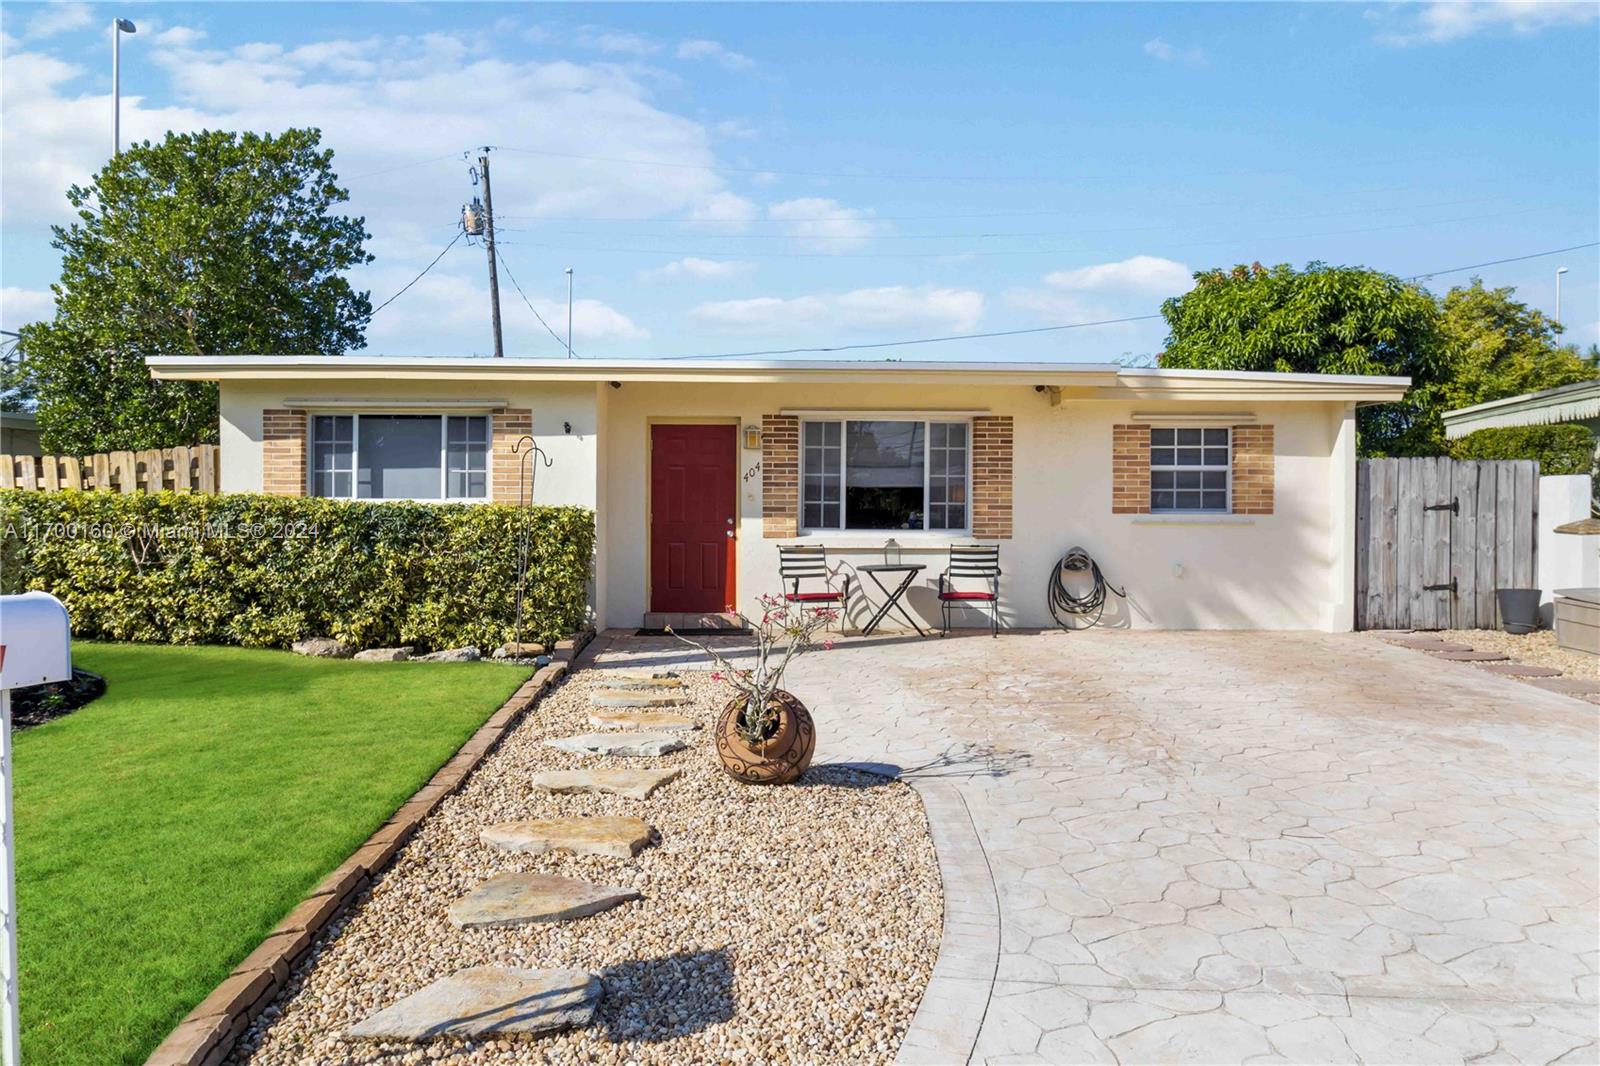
693,490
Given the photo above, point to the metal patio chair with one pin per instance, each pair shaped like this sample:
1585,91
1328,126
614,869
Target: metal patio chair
971,561
809,562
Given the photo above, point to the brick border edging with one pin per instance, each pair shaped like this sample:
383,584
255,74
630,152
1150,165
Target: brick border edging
207,1034
951,1013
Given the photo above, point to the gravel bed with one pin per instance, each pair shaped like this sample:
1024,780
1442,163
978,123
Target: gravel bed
791,924
1538,648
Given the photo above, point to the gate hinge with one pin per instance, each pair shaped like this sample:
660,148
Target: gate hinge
1450,588
1454,507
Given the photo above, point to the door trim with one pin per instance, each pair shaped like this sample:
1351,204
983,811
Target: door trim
650,422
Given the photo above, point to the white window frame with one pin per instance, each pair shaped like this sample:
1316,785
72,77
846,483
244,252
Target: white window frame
844,470
444,456
1226,470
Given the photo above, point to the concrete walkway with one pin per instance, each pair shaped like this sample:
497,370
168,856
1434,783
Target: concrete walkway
1231,847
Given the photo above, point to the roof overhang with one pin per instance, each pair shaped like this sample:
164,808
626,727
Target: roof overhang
1085,380
1566,403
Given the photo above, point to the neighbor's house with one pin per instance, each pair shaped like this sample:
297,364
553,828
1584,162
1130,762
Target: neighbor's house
19,433
1577,404
1217,499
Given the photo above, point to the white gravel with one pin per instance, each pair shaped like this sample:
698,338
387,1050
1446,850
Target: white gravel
791,924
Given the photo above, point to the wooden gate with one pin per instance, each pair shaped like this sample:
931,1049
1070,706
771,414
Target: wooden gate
1435,537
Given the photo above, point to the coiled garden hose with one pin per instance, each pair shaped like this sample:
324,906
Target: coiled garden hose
1085,607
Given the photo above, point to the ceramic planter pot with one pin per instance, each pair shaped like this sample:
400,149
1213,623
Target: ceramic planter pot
778,760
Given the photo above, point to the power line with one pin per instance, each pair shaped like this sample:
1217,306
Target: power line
1497,262
529,302
919,340
419,277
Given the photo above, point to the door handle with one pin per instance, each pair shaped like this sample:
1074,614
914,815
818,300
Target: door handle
730,534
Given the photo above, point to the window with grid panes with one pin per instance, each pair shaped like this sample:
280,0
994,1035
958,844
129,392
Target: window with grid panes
1189,469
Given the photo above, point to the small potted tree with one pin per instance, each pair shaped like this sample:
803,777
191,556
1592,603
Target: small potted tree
765,735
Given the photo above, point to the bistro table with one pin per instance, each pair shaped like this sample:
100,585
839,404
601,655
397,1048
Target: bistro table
908,573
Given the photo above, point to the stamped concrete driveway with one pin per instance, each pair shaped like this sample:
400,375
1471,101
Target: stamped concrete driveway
1221,847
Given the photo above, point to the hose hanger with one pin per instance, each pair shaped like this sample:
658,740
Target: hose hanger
1078,610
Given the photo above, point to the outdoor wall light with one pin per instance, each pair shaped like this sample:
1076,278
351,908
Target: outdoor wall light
752,438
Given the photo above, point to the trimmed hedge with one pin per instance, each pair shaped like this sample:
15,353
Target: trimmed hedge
1560,449
263,571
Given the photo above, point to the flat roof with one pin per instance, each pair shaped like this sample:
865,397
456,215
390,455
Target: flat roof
1109,377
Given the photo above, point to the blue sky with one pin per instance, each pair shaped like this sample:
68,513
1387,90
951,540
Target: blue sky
728,178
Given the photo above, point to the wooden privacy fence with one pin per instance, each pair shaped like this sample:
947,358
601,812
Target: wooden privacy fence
1435,537
191,469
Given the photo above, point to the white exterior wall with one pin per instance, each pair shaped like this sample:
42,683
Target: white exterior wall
1566,560
1293,569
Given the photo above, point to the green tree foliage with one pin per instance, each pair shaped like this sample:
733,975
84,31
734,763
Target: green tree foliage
1501,347
1559,449
211,243
264,571
1322,320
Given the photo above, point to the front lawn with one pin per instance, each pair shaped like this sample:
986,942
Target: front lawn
165,828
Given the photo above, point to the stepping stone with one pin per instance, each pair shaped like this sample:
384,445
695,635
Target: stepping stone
1421,640
1469,656
635,698
661,680
630,744
634,784
1571,686
518,898
625,719
484,1001
617,837
1522,670
1439,646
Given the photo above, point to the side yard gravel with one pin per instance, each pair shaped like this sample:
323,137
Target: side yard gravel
777,924
1534,649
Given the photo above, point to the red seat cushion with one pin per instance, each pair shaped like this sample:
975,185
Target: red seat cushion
966,595
811,597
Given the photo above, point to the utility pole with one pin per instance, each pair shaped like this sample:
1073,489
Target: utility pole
569,312
494,277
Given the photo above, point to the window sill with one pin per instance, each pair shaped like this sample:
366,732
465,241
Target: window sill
1193,520
909,540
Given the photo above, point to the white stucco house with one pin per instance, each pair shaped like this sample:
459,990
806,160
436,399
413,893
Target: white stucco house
1217,499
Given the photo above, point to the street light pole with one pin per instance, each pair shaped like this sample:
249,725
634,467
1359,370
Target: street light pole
118,28
1559,271
569,312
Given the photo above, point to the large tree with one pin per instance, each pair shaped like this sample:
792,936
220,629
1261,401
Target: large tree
211,243
1321,320
1501,347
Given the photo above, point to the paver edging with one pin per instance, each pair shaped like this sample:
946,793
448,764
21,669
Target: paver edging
207,1034
945,1027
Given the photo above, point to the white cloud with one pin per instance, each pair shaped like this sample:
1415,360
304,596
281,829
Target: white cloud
1106,290
1167,53
54,19
891,308
1140,274
615,43
19,306
703,49
699,269
1452,20
826,225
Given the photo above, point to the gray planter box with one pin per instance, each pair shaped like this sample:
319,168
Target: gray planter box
1578,619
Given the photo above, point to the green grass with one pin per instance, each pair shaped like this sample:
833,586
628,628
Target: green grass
164,829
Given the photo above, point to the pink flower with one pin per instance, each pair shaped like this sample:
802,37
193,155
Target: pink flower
716,675
827,645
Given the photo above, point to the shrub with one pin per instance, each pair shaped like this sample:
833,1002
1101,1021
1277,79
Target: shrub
1563,449
263,571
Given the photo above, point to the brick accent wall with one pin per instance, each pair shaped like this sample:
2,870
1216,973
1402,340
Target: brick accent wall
1253,473
991,477
1130,469
505,469
283,452
780,476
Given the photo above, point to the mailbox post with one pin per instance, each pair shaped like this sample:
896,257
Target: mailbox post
35,649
